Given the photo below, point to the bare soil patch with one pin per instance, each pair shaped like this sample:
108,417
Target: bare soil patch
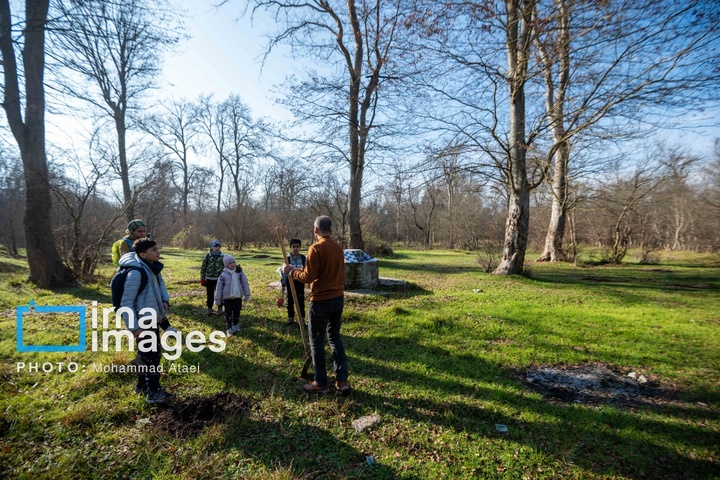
189,416
596,384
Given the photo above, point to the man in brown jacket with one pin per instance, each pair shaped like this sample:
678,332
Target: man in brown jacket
325,272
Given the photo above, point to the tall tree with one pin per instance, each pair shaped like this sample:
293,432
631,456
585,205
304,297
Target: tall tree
46,266
175,128
210,122
354,43
519,33
478,64
12,194
116,47
622,60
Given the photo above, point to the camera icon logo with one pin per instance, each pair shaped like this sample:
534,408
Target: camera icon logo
21,310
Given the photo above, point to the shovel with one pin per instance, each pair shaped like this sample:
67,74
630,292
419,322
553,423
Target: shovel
298,314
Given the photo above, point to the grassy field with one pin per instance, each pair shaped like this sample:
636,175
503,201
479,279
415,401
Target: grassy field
441,364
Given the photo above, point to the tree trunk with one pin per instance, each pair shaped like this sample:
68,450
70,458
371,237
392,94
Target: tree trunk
122,157
516,234
553,250
46,267
356,171
353,215
555,107
516,226
357,142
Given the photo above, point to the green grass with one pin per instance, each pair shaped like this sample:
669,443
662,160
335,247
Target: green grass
438,363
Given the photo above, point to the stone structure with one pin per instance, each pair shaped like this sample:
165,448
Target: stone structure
361,270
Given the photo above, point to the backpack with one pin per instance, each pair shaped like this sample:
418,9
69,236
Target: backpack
117,284
116,249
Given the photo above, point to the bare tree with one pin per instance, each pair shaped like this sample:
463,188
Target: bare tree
157,197
211,123
89,220
238,143
618,59
479,64
624,200
115,46
174,127
244,147
519,34
424,209
12,198
356,41
46,266
286,183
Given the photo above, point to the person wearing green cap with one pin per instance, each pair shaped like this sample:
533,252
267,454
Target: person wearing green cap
136,229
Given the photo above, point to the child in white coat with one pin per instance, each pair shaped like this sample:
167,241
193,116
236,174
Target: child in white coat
232,288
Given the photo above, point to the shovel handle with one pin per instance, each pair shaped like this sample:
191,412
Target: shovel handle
291,283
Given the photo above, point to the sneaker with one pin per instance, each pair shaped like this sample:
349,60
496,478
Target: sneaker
235,328
209,312
159,396
313,387
162,389
140,390
229,332
290,321
342,387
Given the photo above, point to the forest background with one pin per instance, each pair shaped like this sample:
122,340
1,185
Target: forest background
488,126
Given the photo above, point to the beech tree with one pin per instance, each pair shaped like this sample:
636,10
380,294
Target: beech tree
478,63
28,128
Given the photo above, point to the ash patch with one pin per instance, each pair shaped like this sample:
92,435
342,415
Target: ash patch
596,384
188,417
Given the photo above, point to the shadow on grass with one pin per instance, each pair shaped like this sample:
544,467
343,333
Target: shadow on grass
604,440
433,268
469,395
306,449
9,267
634,277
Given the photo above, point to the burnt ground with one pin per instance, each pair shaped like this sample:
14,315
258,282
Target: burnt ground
189,416
596,384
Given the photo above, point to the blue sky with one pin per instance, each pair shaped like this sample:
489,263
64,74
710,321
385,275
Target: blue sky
223,56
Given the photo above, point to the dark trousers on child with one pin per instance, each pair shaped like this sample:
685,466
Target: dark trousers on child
300,290
147,363
232,311
210,287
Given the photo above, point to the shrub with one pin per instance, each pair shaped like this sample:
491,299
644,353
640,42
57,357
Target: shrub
489,257
377,247
190,237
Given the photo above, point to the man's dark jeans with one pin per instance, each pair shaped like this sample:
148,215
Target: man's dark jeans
325,318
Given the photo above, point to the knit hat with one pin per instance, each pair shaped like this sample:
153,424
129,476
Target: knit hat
215,242
228,259
134,225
